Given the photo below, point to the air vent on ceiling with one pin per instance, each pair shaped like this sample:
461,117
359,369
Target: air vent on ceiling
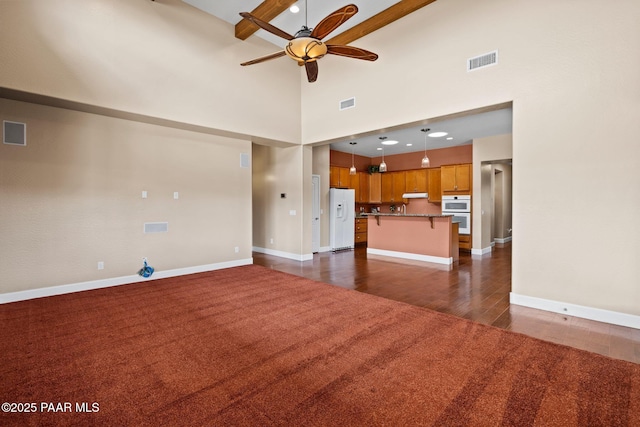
14,133
156,227
482,61
347,103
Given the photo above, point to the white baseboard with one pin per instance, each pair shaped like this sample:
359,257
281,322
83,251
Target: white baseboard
597,314
281,254
325,249
115,281
411,256
482,251
503,240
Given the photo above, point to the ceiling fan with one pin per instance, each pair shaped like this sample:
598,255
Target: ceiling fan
306,47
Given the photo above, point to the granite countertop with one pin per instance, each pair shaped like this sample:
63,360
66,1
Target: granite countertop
408,215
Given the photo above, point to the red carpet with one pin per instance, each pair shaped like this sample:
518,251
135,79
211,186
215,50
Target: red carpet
251,346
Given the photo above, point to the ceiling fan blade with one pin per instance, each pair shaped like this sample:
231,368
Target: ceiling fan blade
351,52
265,58
333,21
266,26
312,70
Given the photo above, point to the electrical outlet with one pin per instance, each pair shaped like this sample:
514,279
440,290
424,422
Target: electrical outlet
100,265
176,195
271,240
237,249
144,194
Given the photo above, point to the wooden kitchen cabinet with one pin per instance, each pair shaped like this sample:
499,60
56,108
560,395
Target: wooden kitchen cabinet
393,187
375,188
456,179
399,186
465,242
386,187
416,181
363,179
354,183
339,177
360,230
434,189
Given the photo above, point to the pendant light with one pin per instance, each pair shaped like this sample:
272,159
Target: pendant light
383,165
425,159
352,169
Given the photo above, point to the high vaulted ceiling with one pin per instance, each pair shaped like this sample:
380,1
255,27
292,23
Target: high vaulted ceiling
371,16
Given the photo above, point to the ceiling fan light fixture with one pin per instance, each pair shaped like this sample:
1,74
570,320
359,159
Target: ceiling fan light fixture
305,49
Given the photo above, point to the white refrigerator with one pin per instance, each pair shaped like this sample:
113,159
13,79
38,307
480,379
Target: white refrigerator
342,205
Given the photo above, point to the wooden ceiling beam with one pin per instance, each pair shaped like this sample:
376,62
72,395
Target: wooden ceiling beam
387,16
266,11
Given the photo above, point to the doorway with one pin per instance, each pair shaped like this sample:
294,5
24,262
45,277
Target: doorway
315,214
496,203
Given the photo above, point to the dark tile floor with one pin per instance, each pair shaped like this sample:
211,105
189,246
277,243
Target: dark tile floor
475,288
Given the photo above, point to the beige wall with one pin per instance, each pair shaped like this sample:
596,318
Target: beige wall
287,221
572,75
486,151
321,160
73,197
163,59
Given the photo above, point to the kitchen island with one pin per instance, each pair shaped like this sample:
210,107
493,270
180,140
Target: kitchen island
420,237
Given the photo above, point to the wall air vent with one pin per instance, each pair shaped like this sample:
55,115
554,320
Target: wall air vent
156,227
14,133
482,61
347,103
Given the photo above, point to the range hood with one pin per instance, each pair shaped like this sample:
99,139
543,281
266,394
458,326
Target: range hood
415,196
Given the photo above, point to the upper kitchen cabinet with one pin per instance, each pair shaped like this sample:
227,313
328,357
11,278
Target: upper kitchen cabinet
456,179
360,183
416,181
393,187
363,178
375,188
434,188
339,177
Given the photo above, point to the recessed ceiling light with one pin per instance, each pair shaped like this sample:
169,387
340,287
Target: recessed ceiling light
409,145
379,148
294,9
437,134
450,138
389,142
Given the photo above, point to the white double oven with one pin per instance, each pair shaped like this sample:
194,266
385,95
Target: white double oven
460,208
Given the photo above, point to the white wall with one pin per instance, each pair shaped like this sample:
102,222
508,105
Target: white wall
572,74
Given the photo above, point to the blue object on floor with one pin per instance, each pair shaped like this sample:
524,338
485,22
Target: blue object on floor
147,270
